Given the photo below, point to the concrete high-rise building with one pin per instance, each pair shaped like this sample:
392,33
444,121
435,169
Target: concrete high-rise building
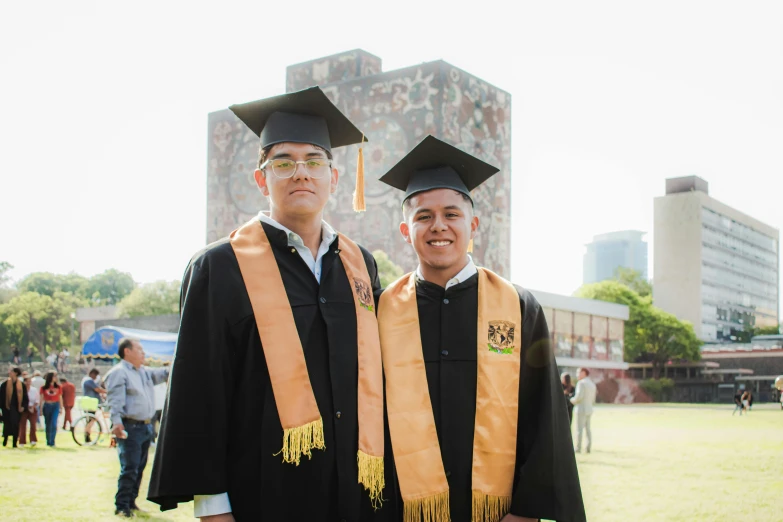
614,250
396,109
713,265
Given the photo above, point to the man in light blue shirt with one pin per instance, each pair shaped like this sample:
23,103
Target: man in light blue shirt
131,398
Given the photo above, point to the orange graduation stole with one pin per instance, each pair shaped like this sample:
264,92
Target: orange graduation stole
302,423
423,484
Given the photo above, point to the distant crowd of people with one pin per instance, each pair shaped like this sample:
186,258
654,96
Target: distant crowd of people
28,397
57,359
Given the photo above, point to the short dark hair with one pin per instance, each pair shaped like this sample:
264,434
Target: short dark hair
263,152
63,379
406,205
93,373
125,343
17,371
587,372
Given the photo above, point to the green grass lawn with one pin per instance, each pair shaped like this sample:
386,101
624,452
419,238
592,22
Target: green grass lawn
649,462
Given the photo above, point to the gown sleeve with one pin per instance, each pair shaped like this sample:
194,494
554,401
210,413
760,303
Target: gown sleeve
546,480
191,455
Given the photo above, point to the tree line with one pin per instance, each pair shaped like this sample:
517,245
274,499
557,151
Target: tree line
36,312
651,335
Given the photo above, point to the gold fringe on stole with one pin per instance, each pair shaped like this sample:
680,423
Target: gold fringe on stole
300,440
358,195
371,476
427,509
489,508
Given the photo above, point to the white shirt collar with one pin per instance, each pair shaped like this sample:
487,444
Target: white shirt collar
328,234
469,271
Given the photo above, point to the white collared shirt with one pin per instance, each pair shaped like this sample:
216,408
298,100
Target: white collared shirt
466,273
328,236
206,505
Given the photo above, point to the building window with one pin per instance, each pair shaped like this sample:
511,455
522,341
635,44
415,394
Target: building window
582,347
564,345
616,347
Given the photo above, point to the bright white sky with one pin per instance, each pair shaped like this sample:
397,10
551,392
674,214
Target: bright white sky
104,113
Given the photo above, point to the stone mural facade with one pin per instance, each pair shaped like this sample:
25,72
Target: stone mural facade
396,110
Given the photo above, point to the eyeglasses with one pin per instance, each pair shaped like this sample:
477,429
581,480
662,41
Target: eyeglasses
285,168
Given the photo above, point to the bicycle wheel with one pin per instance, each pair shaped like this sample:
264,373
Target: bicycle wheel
86,431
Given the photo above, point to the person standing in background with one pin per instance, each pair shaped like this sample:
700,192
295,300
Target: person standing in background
568,392
30,414
30,354
15,356
13,395
52,398
91,388
37,382
52,360
584,400
69,399
132,402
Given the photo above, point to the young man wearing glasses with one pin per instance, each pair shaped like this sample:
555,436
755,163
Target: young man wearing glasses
279,320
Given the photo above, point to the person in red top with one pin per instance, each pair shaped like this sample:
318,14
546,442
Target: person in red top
69,399
52,399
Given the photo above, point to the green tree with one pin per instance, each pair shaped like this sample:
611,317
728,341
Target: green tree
40,320
660,337
766,330
633,279
46,283
388,272
110,287
158,298
651,335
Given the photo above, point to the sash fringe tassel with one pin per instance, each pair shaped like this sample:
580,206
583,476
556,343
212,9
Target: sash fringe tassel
489,508
300,440
371,476
427,509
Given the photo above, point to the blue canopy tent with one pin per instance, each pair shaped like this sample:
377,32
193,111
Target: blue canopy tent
159,346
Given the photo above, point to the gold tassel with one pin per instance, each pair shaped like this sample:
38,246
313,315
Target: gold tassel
489,508
300,440
470,247
358,195
427,509
371,476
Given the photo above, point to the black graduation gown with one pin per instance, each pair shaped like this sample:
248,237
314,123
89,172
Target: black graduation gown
546,483
221,429
12,416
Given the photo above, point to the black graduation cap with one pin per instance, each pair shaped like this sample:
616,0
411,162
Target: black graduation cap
435,164
306,116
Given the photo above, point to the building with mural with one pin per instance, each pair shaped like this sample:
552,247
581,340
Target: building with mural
396,110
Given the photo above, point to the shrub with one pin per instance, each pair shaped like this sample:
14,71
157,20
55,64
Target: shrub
659,390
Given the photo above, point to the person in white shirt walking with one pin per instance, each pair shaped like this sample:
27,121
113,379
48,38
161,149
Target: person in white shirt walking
30,415
584,400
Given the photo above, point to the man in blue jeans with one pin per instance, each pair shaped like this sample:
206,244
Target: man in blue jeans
131,398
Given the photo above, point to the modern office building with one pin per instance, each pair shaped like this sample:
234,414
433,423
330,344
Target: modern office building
608,252
396,109
713,265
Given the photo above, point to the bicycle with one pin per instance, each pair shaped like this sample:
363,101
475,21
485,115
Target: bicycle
90,428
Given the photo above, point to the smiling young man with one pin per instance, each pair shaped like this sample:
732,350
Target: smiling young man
478,424
278,321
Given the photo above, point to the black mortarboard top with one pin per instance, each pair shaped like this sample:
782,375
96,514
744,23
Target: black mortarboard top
306,116
435,164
